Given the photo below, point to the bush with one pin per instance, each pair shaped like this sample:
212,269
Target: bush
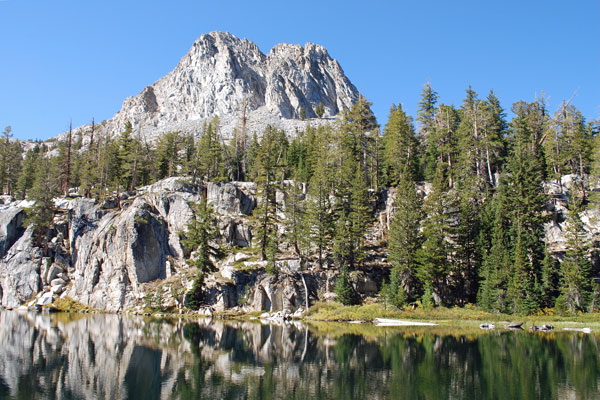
195,297
344,290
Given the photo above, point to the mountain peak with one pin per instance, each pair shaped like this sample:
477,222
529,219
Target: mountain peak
225,76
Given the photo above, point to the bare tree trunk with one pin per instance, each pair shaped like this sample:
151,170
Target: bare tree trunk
305,292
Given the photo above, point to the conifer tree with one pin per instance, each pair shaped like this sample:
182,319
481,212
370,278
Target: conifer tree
199,235
268,167
353,214
526,202
400,146
210,153
550,281
343,288
318,209
10,162
575,270
359,128
494,132
404,242
426,117
447,120
167,154
295,221
28,172
438,232
470,162
495,272
44,189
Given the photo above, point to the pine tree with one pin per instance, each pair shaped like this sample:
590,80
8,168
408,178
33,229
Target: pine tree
295,222
470,162
526,202
426,117
10,162
199,235
28,172
343,288
447,120
167,154
438,231
359,128
318,209
550,282
210,154
404,242
267,168
44,189
494,132
496,266
353,213
400,146
320,110
575,270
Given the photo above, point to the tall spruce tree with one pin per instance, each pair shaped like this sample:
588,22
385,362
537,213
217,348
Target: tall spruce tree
404,241
426,117
10,162
268,167
28,172
435,255
318,209
44,189
575,270
400,146
526,203
496,266
199,235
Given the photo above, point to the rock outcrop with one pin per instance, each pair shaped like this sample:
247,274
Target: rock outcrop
230,78
20,271
127,254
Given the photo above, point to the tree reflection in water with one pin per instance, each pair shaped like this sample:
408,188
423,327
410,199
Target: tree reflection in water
110,356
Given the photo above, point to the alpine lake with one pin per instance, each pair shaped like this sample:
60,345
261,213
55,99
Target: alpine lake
107,356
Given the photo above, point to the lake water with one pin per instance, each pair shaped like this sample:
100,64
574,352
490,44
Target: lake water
74,356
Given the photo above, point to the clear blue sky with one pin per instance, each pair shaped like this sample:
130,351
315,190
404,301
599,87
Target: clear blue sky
66,59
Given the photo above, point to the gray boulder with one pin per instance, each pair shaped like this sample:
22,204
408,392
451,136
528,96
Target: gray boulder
11,221
53,273
229,198
20,271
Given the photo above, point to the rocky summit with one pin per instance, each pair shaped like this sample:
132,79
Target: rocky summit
230,78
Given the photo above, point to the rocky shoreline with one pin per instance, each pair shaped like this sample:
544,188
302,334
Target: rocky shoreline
125,254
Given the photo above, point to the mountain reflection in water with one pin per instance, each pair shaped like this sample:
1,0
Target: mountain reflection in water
66,356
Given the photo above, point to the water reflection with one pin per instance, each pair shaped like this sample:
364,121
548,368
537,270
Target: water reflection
108,356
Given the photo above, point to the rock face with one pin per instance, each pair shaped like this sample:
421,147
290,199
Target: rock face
231,78
20,271
130,254
11,220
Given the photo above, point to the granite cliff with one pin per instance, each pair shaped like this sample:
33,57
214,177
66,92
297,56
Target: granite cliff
126,255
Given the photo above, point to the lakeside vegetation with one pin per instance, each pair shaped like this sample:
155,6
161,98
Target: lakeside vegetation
477,237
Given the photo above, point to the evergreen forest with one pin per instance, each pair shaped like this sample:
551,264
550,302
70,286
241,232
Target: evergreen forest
470,189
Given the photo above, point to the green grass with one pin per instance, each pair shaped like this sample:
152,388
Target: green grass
468,316
67,304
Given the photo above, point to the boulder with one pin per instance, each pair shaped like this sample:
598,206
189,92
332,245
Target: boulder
53,272
228,199
237,232
57,282
20,271
45,299
11,221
